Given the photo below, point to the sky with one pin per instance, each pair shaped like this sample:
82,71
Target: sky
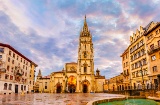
47,31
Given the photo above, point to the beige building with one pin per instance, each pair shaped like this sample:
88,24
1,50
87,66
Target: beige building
15,70
153,49
126,69
116,83
138,59
79,76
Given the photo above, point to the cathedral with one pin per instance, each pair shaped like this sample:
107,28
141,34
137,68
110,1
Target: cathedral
76,76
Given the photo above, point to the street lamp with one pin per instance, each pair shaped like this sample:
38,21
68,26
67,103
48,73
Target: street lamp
142,77
66,84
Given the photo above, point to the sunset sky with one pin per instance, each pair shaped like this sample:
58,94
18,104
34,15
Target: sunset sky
47,31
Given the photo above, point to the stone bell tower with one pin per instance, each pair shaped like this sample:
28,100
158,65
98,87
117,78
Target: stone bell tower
85,61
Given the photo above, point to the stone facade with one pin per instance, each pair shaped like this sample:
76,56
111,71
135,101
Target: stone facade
78,76
153,49
140,61
16,71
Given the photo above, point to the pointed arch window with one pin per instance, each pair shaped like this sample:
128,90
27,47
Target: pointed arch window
85,68
85,54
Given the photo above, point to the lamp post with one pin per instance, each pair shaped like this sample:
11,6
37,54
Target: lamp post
66,84
143,87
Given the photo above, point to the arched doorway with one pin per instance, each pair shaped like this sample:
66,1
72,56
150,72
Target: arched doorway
72,84
85,88
59,88
72,88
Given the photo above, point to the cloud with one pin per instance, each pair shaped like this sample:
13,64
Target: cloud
49,30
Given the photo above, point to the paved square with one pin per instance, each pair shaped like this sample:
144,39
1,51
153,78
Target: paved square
53,99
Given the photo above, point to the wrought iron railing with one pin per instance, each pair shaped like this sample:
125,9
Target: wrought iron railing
154,49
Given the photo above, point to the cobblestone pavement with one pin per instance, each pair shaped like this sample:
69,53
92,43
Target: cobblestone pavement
53,99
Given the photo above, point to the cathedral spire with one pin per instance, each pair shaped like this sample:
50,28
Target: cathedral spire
39,74
85,26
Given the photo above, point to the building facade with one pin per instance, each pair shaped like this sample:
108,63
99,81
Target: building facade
138,59
126,69
144,58
15,70
79,76
153,48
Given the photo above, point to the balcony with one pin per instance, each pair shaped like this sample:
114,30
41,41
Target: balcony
2,70
154,49
19,74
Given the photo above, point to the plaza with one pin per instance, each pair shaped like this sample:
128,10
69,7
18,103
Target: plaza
54,99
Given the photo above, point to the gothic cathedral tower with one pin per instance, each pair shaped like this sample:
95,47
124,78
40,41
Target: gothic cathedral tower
85,61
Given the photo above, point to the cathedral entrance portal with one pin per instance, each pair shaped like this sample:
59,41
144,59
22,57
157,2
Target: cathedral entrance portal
59,88
71,84
85,85
85,88
72,88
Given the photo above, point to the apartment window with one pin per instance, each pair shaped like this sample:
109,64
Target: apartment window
126,56
135,56
10,87
136,65
13,55
141,42
132,66
21,59
11,77
9,52
26,68
8,59
154,68
7,68
156,32
144,62
0,56
153,57
159,43
21,87
133,74
12,61
131,58
137,45
142,51
2,50
139,54
5,86
12,69
124,65
30,82
152,46
131,50
6,76
17,57
24,61
150,36
24,87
